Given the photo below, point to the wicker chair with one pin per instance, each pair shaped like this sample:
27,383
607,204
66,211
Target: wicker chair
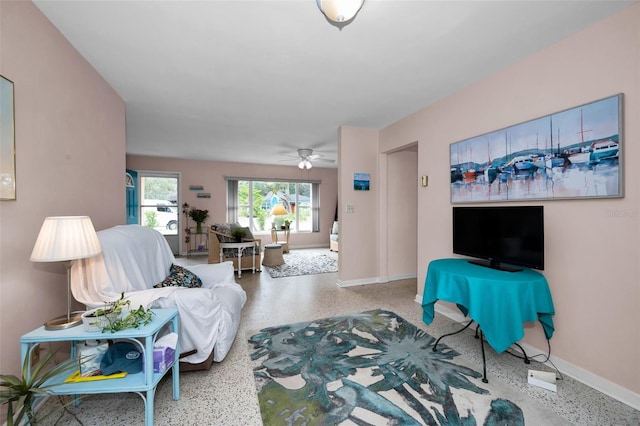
217,236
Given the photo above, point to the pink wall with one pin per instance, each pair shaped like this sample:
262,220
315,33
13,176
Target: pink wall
591,256
70,160
211,175
359,231
378,241
401,205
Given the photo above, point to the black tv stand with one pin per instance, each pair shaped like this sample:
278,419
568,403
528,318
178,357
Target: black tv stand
495,265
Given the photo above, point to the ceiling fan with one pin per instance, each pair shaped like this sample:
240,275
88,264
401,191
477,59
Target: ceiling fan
306,157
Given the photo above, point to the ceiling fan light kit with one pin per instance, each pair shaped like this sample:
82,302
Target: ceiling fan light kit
340,11
304,164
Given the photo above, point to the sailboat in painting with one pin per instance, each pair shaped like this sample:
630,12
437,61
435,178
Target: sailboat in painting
580,155
523,163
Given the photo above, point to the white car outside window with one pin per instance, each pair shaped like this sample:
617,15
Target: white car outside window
165,213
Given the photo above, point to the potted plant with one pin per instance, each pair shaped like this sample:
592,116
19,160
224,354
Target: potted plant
133,319
238,234
111,317
97,319
198,216
19,392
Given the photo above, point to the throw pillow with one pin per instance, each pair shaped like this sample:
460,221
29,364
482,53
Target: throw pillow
223,228
247,232
248,251
179,276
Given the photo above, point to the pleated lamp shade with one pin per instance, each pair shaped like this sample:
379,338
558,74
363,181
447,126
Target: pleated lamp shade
66,238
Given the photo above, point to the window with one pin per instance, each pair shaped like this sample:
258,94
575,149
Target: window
159,203
253,203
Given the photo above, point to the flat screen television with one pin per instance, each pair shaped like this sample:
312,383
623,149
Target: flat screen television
500,236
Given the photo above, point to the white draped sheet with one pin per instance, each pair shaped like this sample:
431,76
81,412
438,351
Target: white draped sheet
134,259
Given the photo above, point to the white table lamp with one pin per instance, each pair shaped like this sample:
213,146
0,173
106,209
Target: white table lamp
66,238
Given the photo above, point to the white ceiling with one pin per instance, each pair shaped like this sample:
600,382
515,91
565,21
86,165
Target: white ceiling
252,81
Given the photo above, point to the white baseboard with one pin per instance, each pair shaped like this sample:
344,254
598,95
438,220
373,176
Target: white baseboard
600,384
374,280
308,246
402,277
361,281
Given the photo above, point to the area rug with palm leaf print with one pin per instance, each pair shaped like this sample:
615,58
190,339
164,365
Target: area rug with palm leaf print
375,368
304,263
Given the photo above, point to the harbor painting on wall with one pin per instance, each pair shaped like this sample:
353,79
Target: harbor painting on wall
575,153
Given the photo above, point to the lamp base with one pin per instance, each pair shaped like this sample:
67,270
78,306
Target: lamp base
64,321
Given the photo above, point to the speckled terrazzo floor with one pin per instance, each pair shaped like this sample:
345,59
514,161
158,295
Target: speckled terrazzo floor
226,394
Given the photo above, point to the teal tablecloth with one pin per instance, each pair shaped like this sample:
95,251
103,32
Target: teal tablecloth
498,301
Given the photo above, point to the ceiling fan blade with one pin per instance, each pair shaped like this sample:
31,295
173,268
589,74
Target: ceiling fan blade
306,154
324,160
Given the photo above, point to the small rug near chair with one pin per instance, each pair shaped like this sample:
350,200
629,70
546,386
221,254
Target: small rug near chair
375,368
303,263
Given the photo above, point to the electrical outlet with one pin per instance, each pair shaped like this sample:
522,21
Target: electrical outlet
351,208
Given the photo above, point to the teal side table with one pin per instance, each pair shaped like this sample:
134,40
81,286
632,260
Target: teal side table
143,383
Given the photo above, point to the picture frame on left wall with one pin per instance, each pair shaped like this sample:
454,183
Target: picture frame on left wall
7,141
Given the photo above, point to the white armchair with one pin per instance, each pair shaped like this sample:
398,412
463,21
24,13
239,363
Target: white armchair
133,260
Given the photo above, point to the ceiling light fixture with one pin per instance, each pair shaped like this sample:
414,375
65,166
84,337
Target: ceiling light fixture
304,164
340,12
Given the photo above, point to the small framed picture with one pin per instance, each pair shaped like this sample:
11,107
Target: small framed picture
361,181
